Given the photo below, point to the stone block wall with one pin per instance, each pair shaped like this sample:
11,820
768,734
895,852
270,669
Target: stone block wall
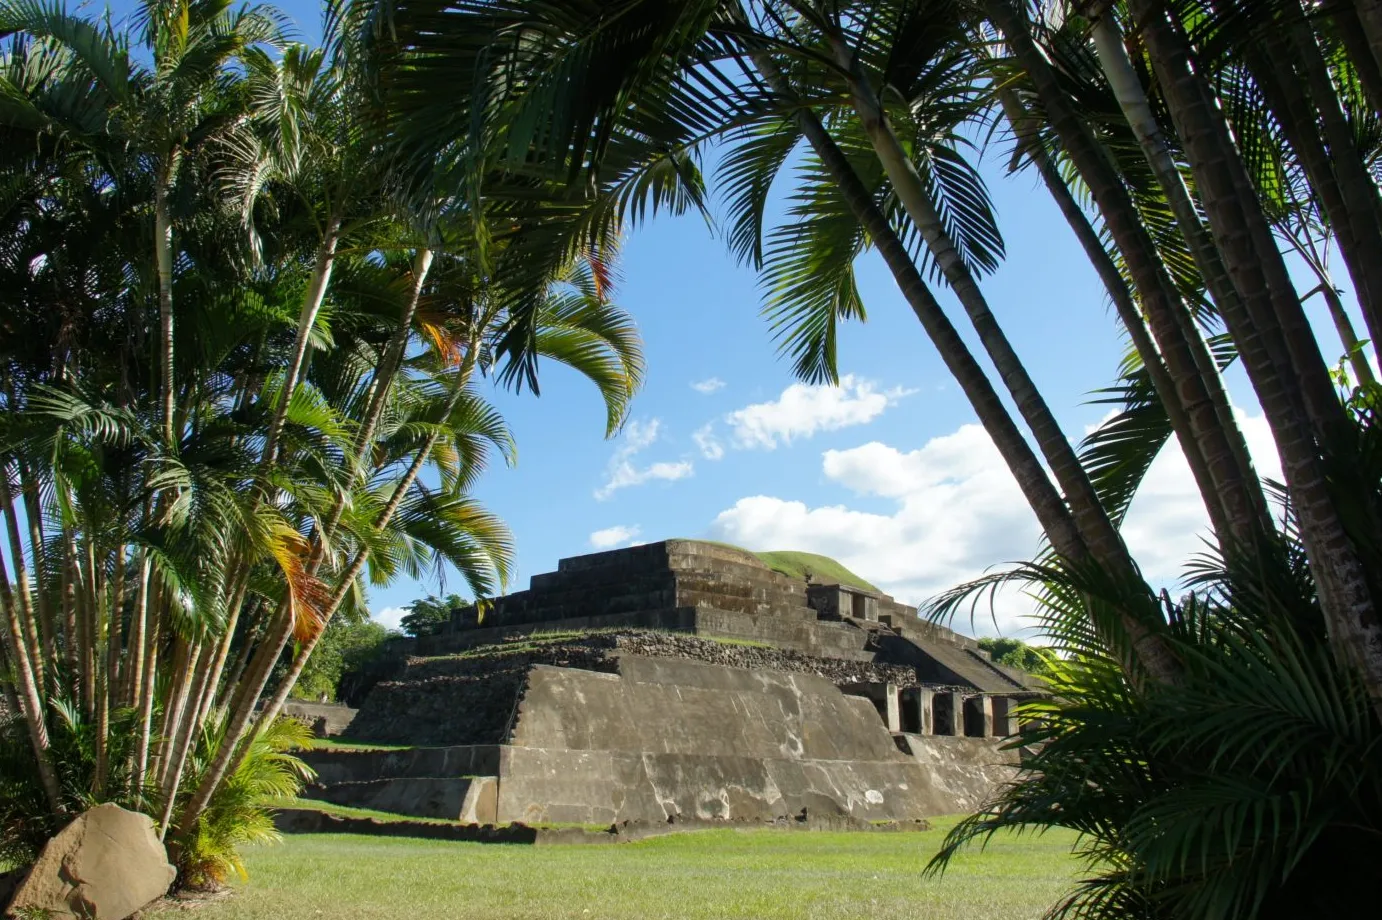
670,738
471,699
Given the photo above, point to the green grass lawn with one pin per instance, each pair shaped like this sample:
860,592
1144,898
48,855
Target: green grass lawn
712,874
796,564
340,744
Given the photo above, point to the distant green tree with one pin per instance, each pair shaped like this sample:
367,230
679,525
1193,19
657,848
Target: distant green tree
346,650
428,616
1015,653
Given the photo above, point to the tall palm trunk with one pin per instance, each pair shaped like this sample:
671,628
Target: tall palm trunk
1369,13
1132,99
307,318
182,737
1295,82
28,692
147,690
110,669
47,626
242,705
1099,534
1188,361
1241,233
1025,129
23,590
1147,648
208,695
1349,29
163,252
382,384
131,686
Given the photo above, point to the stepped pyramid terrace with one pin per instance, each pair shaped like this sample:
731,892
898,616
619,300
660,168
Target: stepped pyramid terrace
682,681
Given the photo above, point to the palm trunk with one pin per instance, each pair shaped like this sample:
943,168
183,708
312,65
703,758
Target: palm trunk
28,693
185,732
383,383
132,685
1024,128
1349,29
307,318
280,630
47,625
1098,531
11,698
1245,242
1132,99
1304,99
110,680
147,690
163,250
1146,647
1188,361
72,639
180,675
1369,13
24,594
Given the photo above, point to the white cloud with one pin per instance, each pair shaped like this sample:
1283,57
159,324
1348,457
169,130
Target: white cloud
958,512
805,409
392,617
709,444
708,385
622,473
611,537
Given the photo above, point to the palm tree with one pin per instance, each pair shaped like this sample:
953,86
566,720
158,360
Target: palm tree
1273,337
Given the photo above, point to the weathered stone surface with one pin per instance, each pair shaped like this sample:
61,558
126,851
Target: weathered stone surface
470,699
346,766
326,719
667,738
961,774
105,865
419,796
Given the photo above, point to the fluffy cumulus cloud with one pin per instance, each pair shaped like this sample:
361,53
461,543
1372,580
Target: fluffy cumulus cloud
708,385
392,617
800,412
613,537
623,472
805,409
956,512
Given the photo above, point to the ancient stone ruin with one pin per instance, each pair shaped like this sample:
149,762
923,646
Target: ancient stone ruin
683,681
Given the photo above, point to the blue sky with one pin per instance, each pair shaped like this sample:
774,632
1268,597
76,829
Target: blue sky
888,473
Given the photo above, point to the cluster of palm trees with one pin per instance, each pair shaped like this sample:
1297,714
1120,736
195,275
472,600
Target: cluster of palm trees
212,437
243,357
1219,752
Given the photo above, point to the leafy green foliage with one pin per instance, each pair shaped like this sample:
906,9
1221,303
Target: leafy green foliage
1253,787
1014,653
241,811
342,662
26,820
429,615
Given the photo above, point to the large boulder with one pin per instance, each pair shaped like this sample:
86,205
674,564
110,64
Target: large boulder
105,865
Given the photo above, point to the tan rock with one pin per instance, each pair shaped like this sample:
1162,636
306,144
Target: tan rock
105,865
